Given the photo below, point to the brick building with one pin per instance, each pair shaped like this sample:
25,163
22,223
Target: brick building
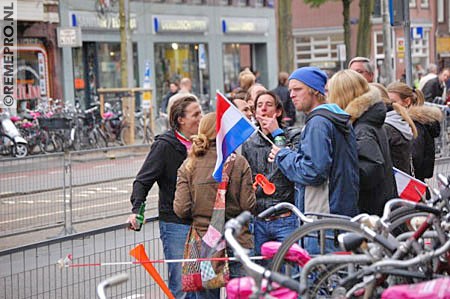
318,32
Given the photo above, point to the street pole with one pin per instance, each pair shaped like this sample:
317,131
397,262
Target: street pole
407,34
387,42
130,68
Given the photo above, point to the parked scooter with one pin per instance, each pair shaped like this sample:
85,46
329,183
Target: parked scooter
20,147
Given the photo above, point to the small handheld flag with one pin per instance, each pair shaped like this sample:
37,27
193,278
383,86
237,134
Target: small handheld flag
232,128
409,187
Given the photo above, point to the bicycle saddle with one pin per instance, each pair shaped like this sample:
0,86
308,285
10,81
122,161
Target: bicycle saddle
295,254
242,288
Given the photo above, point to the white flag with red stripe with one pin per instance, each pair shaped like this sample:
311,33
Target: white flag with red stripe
409,187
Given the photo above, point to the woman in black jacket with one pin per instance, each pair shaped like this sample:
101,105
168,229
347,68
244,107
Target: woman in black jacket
161,164
351,92
427,120
399,127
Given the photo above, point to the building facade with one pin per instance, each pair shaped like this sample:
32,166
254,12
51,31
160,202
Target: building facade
207,41
38,56
443,33
318,35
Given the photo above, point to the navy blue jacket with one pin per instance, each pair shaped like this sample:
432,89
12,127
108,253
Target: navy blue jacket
325,167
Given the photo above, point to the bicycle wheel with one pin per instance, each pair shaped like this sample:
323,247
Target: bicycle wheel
125,135
100,139
318,237
47,142
149,137
403,220
76,139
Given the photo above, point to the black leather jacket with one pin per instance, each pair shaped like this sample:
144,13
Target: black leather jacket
256,150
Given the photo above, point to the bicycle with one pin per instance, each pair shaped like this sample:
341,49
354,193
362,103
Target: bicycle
261,276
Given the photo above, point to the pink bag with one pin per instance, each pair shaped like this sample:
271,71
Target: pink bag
241,288
433,289
295,254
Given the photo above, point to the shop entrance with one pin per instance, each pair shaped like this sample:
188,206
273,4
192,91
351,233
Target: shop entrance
174,61
237,57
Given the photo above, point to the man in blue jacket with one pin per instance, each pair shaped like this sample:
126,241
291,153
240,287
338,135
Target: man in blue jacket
325,166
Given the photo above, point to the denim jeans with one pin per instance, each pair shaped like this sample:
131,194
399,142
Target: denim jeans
312,244
275,230
173,237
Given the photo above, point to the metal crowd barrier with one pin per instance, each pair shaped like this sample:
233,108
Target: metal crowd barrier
441,166
41,192
32,271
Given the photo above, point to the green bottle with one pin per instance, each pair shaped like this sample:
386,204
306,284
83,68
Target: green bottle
140,219
280,141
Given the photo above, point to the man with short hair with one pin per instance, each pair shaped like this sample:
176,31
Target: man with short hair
431,74
435,90
185,89
363,66
283,93
325,166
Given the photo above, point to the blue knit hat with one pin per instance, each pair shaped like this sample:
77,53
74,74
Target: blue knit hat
311,76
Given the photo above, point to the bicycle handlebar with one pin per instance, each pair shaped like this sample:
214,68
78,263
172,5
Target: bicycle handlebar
285,205
109,282
232,228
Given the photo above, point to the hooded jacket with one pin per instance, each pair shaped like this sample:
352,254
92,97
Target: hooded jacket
196,193
256,150
376,177
325,166
400,137
427,121
160,166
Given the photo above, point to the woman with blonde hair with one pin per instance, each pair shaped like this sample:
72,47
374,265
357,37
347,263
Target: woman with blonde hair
400,129
196,189
427,120
350,91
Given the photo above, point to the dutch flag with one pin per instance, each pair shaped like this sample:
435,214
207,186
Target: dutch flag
232,128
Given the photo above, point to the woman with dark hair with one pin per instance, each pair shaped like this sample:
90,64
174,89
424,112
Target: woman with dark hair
196,190
161,164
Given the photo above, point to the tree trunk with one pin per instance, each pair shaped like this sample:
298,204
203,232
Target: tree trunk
347,31
285,39
364,28
123,44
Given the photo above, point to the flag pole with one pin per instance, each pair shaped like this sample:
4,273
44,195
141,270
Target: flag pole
265,137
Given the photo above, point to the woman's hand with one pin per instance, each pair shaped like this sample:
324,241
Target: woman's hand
273,153
132,222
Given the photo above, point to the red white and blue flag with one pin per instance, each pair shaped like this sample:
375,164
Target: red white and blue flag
232,128
409,187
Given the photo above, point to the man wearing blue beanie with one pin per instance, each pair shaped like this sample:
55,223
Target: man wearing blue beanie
325,166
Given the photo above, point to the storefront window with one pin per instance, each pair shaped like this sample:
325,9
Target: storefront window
236,57
97,65
174,61
32,77
109,65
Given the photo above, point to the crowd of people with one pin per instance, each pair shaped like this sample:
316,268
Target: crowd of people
341,161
